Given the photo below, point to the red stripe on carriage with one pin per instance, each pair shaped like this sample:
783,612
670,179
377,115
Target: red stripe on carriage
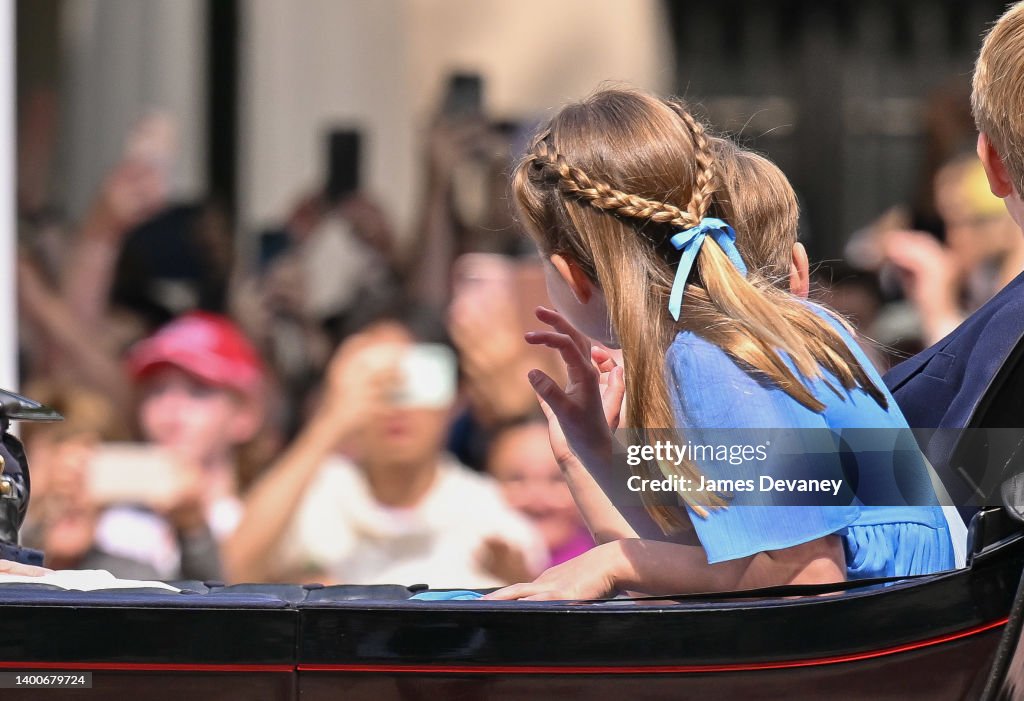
495,669
649,669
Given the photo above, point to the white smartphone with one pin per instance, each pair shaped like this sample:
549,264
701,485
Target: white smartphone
427,377
136,473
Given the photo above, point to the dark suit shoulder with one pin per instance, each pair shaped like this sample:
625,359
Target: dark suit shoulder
953,374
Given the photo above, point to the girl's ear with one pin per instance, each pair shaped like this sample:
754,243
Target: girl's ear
577,280
799,272
999,180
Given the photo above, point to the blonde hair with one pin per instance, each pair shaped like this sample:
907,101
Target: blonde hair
608,181
997,95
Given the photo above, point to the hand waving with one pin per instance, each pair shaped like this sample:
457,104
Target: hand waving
582,416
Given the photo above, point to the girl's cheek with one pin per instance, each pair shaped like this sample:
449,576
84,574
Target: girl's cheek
558,291
591,318
564,301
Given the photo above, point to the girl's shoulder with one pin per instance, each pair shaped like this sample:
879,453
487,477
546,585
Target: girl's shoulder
849,336
706,381
701,374
708,388
857,408
689,348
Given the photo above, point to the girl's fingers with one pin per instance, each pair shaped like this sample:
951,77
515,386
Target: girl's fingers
551,396
605,363
611,398
544,596
559,448
604,360
515,591
559,323
580,369
11,567
545,408
556,339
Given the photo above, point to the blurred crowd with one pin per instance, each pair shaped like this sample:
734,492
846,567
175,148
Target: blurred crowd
343,409
918,269
352,406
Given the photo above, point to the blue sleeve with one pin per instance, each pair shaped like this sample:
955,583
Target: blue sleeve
716,402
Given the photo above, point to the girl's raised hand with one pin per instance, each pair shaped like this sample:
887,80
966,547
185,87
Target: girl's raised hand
581,416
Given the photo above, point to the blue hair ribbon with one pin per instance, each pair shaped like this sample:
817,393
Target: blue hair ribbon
689,242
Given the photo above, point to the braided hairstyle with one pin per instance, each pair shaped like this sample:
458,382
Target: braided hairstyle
607,182
574,182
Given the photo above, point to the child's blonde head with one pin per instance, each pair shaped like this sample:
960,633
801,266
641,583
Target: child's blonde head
610,179
997,97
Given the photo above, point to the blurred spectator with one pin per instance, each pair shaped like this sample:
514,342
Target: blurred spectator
201,389
391,506
948,131
942,282
484,320
521,460
57,346
493,303
465,208
136,189
176,261
979,231
327,261
64,515
132,264
983,251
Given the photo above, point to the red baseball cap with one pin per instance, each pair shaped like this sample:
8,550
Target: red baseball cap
208,346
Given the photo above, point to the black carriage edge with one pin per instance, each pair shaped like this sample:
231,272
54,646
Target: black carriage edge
948,635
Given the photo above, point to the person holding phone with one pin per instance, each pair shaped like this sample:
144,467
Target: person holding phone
65,508
520,458
333,253
366,494
201,392
465,207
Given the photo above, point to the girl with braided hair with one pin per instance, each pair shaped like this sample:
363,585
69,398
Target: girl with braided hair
680,248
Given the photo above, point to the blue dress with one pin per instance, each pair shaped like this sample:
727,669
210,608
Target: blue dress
883,535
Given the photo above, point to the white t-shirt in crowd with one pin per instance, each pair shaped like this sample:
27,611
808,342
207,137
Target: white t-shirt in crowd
341,531
141,535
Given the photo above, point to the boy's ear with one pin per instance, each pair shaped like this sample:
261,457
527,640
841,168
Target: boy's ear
799,271
999,180
577,280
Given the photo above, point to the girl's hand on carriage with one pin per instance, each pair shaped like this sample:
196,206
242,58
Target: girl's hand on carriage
587,576
582,416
